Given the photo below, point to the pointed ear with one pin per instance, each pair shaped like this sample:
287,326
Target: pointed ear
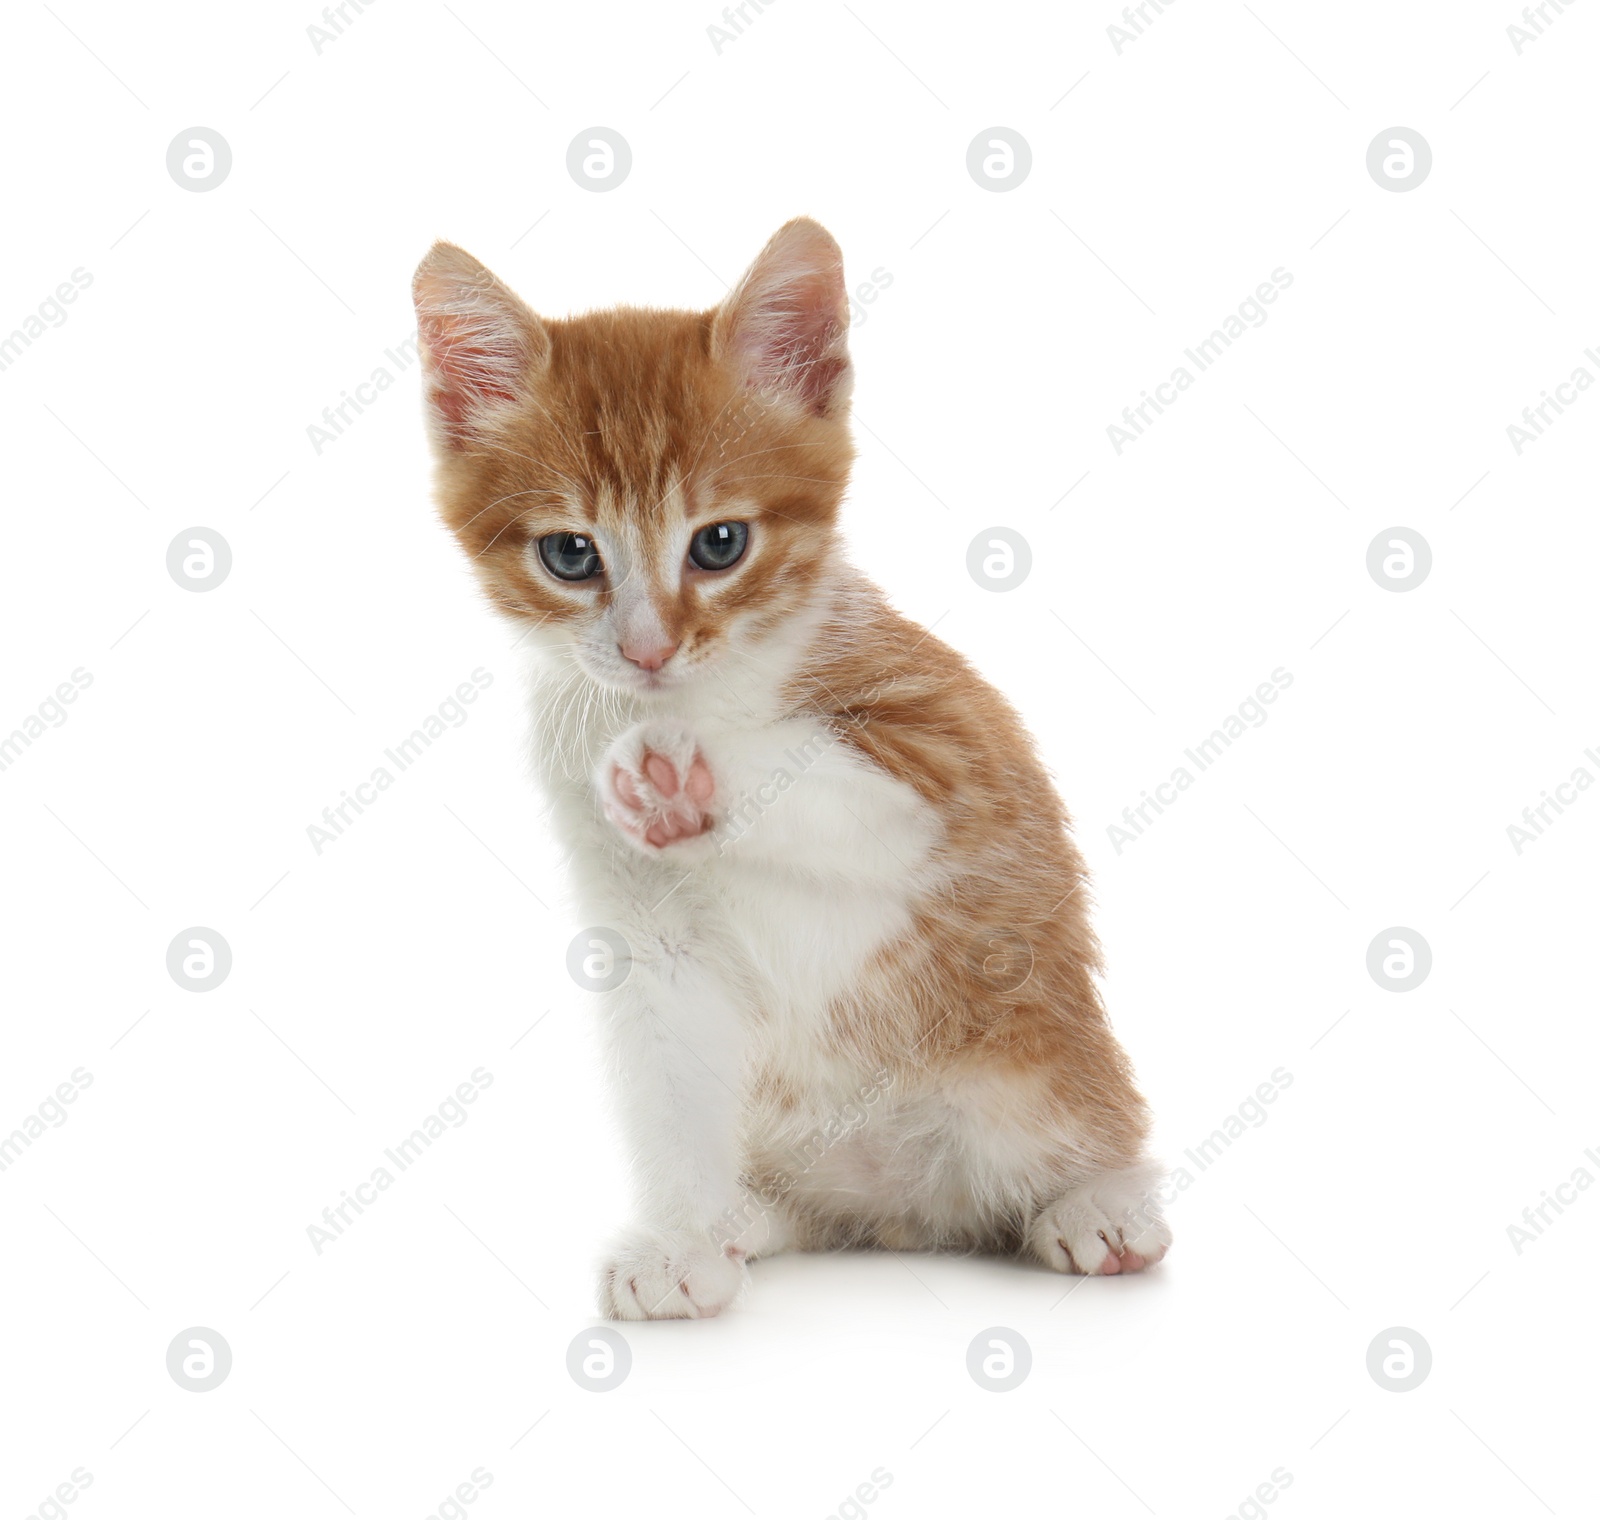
482,347
783,327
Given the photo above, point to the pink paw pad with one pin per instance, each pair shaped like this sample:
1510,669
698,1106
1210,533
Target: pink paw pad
659,806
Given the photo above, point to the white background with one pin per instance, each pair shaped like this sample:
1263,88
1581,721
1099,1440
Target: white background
367,981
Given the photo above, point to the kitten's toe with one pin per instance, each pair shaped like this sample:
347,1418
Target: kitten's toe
625,791
656,1275
657,788
662,773
698,785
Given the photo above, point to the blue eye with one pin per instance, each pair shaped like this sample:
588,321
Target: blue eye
720,545
570,556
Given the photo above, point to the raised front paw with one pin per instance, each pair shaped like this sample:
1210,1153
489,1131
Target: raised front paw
669,1275
656,786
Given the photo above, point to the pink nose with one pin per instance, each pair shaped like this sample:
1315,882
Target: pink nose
648,656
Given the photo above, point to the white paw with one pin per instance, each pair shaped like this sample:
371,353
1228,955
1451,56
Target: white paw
669,1275
1108,1225
656,786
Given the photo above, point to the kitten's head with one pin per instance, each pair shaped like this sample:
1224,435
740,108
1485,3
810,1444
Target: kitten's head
655,491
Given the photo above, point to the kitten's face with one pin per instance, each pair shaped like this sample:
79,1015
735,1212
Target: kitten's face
653,492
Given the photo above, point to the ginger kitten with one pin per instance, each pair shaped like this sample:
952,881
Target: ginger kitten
860,1004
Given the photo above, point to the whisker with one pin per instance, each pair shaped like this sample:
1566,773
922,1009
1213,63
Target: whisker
777,448
511,523
511,496
808,479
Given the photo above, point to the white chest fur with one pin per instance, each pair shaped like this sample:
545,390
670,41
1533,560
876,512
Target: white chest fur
814,861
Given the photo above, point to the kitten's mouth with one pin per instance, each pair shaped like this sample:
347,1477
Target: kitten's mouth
634,681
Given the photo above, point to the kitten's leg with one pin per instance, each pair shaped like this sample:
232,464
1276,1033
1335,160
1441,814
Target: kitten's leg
675,1033
677,1030
762,1230
677,1025
1110,1224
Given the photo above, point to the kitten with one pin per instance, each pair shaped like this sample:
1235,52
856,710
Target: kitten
859,1004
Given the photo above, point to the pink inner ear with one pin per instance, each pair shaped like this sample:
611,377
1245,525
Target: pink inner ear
475,363
813,367
790,336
